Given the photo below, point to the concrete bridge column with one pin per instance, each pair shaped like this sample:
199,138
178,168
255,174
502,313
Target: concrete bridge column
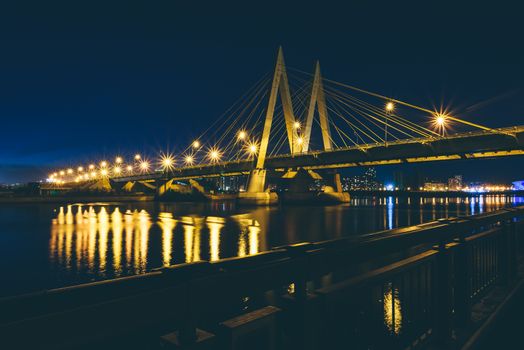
333,189
256,193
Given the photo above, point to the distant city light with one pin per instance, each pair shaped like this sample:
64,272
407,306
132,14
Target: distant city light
70,171
390,106
118,160
103,164
117,170
196,144
80,169
138,156
103,172
62,173
91,166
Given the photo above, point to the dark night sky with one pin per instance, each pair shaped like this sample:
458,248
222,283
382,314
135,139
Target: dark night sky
78,83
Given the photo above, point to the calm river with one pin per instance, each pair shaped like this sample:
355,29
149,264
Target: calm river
46,246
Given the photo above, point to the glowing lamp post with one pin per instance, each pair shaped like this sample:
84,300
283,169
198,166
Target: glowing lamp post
189,160
389,109
440,122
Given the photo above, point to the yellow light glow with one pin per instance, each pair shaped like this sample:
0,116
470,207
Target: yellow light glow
129,168
214,155
297,125
91,166
251,148
93,174
69,171
144,165
390,106
103,172
62,173
300,141
103,164
118,160
167,161
196,144
80,169
242,135
138,156
117,170
440,120
189,160
86,176
55,174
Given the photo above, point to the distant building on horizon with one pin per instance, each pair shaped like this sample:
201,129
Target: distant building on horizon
455,183
366,182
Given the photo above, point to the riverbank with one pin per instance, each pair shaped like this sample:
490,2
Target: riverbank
437,194
77,199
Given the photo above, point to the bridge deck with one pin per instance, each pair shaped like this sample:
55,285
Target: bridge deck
505,142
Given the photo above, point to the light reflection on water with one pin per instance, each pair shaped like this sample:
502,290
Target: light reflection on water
101,238
392,310
55,246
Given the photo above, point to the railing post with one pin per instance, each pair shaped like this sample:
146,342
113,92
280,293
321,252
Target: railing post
513,248
303,320
188,335
507,253
462,298
443,300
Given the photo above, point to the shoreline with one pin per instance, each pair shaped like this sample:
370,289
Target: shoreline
77,199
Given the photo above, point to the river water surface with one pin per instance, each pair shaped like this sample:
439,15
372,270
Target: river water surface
45,246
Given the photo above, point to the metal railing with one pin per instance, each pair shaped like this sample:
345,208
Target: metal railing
397,288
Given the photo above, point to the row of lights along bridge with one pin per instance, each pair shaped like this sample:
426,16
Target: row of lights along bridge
167,161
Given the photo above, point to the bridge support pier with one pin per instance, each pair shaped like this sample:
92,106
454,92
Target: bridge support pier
299,184
333,189
256,193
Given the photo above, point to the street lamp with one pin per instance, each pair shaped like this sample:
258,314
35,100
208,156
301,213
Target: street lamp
144,166
214,155
242,135
389,108
167,162
440,122
189,159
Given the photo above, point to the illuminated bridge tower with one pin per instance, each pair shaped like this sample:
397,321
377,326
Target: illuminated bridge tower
257,192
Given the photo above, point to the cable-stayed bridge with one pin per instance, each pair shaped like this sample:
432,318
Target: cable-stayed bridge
294,123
